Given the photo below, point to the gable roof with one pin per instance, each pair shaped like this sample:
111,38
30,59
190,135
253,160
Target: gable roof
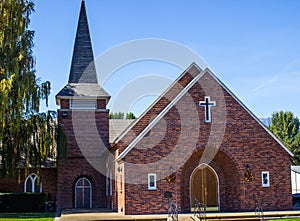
117,126
193,65
175,100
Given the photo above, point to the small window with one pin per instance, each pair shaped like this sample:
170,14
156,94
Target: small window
265,179
32,184
151,181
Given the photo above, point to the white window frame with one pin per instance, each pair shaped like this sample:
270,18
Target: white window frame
265,176
33,178
107,183
150,187
110,183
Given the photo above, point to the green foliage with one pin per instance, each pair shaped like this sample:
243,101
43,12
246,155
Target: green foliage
27,137
27,216
61,143
130,116
289,219
116,115
285,126
121,115
23,202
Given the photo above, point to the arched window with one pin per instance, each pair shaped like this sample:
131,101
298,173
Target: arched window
32,184
83,193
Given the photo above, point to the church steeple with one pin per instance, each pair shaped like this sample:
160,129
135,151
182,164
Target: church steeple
83,82
83,67
85,120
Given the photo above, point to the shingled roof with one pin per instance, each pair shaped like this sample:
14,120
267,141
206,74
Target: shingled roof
83,67
83,80
83,90
116,128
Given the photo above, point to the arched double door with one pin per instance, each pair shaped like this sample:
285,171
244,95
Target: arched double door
204,185
83,193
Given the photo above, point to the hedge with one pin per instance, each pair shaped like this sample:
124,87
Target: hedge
23,202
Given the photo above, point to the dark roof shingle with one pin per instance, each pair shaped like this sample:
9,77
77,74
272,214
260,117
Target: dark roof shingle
83,66
83,90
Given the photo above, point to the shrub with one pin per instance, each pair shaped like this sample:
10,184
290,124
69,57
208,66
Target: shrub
23,202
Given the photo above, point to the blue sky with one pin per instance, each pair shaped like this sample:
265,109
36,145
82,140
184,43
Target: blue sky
252,46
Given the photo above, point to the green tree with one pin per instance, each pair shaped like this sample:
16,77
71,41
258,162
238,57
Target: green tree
121,115
130,116
27,137
285,126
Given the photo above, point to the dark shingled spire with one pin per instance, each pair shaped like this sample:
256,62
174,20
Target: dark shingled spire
83,83
83,67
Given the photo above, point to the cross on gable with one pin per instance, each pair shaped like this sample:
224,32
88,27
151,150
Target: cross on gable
207,104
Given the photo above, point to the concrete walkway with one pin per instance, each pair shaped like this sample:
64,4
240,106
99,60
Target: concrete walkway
93,215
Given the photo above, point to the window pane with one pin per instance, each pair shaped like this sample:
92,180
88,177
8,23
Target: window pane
151,181
79,200
86,198
86,183
29,185
37,187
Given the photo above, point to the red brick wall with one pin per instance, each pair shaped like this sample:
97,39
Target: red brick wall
48,177
65,104
245,142
69,173
101,104
89,163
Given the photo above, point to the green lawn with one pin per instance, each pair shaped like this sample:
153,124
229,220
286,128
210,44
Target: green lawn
27,216
289,219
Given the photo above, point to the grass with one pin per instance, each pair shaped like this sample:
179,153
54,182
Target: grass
290,219
27,216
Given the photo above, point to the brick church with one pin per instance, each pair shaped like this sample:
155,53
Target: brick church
196,143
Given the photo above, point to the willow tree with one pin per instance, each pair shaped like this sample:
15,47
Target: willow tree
27,137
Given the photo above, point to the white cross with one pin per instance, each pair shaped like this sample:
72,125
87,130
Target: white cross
207,104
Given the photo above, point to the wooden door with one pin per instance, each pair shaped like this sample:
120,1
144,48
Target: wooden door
204,188
83,193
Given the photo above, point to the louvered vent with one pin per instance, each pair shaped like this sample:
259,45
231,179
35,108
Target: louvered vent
82,104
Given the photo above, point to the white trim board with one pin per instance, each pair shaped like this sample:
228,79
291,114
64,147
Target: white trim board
155,102
160,115
250,112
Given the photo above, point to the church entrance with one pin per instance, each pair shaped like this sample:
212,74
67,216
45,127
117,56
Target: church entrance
83,193
204,188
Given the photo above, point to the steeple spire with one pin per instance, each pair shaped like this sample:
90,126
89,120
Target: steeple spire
83,67
83,82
